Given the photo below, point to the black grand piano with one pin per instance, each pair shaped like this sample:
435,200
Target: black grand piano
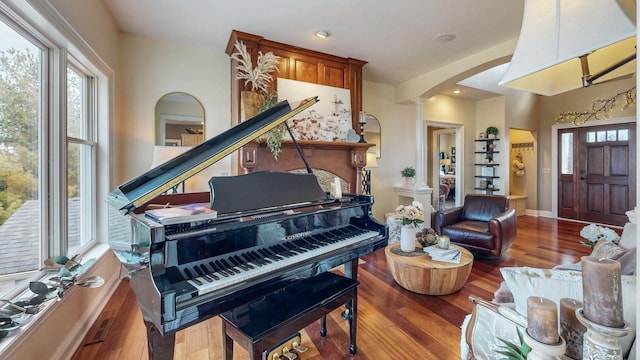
272,229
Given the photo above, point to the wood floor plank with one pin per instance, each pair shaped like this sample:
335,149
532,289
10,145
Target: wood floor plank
393,323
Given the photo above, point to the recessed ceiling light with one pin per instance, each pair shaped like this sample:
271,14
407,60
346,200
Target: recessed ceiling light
457,91
445,37
322,34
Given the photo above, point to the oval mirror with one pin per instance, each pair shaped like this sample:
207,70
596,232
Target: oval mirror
179,120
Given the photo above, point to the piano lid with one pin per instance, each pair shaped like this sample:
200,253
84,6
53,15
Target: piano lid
144,188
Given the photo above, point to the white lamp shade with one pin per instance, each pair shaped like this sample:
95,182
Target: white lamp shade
162,154
555,33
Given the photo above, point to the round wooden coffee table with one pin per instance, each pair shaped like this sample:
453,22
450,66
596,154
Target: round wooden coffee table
422,275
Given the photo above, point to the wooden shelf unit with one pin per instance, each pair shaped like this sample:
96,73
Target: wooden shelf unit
487,151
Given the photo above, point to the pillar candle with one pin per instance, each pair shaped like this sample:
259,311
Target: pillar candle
542,320
338,187
571,329
602,291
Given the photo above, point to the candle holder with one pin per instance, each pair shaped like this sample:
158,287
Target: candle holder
601,342
542,351
362,121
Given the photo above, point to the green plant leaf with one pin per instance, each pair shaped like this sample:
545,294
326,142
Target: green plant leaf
37,300
60,259
38,288
64,273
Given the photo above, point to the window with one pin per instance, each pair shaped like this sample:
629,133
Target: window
80,159
21,200
566,150
49,149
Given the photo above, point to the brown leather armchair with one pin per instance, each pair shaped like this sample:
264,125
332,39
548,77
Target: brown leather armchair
484,225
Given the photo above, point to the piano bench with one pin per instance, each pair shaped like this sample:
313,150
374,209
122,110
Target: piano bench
261,325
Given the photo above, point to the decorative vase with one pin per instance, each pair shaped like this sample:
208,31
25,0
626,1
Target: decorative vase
408,238
409,181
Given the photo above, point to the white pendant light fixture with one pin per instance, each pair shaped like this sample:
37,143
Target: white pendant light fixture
568,44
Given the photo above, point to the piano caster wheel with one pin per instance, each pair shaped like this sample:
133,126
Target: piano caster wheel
346,314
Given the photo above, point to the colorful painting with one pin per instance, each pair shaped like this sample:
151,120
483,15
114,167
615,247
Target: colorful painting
328,120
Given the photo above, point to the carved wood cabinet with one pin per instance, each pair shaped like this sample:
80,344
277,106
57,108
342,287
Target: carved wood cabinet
299,64
343,159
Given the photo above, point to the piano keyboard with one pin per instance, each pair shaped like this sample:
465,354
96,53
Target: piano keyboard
223,272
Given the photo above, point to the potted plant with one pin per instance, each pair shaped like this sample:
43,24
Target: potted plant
408,174
492,132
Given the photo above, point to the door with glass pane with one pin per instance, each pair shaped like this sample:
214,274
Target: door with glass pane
597,176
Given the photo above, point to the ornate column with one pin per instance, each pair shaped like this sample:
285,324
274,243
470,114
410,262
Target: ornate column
420,144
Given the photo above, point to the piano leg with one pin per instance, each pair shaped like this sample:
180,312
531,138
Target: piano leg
160,347
351,271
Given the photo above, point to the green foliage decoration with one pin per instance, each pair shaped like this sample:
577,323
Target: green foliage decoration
514,351
492,130
409,171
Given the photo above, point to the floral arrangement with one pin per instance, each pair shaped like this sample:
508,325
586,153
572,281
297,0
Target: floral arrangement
259,76
409,171
594,233
411,214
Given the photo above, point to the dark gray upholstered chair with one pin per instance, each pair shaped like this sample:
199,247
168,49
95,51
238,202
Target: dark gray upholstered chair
484,224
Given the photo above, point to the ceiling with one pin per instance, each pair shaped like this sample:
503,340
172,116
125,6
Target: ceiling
399,42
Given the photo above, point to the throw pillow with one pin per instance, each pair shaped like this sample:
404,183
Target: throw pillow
556,284
503,294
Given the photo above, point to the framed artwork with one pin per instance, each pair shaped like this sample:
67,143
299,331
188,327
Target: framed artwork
328,120
453,150
453,159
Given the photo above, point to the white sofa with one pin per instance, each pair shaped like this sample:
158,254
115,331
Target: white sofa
500,320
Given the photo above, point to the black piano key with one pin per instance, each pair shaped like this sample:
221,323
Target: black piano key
202,274
293,246
224,268
217,269
229,266
206,271
260,257
238,264
242,263
191,277
254,260
269,254
302,244
280,251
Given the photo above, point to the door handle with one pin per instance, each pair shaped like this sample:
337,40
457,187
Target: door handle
583,178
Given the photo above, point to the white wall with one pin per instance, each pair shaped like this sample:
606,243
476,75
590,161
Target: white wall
397,124
153,68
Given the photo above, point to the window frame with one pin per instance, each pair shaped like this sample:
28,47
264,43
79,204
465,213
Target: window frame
61,46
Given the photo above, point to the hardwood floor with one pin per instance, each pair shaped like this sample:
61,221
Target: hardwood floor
393,323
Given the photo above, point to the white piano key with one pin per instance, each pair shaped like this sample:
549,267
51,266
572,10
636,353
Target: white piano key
207,287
